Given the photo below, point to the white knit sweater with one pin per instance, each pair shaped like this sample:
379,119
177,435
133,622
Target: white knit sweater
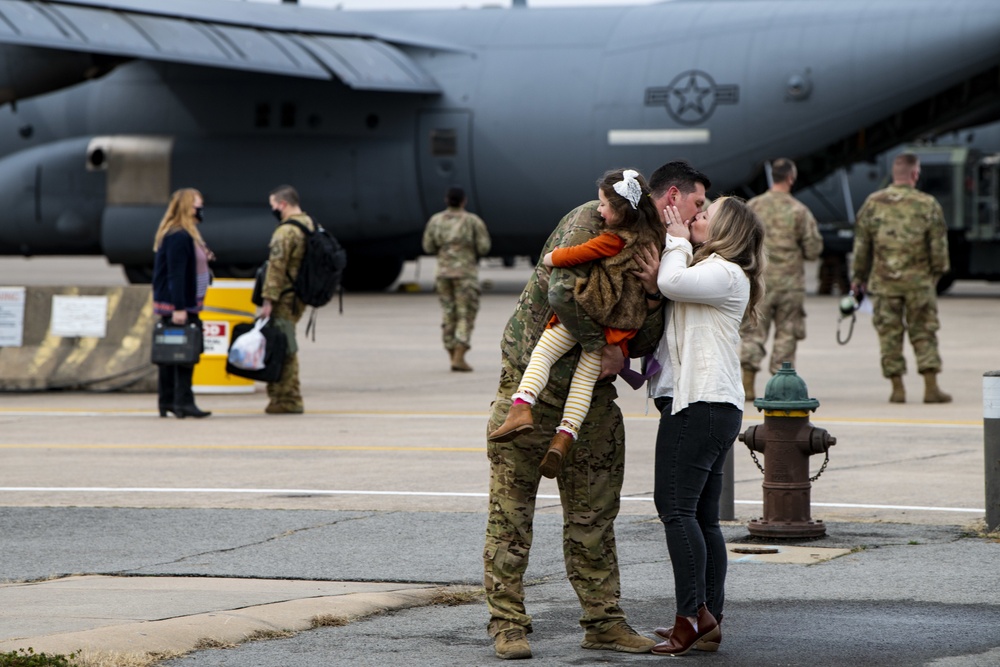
699,350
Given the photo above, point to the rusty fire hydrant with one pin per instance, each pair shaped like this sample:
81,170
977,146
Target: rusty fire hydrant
787,440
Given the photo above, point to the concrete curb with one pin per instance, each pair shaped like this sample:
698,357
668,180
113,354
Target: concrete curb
226,627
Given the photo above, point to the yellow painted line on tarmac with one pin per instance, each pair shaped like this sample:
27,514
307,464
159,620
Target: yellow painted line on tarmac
748,416
282,448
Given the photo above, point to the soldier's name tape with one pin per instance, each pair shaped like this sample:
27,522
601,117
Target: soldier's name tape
426,494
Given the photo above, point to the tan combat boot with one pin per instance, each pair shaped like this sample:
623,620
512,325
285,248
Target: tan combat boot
518,422
558,449
512,644
458,362
898,390
933,393
621,637
748,378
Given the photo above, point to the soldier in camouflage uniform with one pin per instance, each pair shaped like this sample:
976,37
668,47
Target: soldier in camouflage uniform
791,238
900,252
459,239
287,248
591,479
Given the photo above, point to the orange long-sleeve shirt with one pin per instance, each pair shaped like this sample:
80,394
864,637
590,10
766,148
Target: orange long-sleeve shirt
599,247
604,245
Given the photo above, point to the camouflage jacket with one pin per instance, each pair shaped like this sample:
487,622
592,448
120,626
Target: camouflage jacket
551,291
900,241
287,247
792,237
459,239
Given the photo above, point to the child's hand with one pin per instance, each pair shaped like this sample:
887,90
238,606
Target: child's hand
547,260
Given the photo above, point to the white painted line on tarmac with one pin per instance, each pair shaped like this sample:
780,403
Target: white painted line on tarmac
429,494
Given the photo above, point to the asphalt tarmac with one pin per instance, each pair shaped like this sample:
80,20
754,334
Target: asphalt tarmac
119,528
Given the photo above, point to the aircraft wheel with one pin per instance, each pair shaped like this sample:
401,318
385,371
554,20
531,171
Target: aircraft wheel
138,274
368,273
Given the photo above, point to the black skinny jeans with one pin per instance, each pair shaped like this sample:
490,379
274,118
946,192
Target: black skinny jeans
691,448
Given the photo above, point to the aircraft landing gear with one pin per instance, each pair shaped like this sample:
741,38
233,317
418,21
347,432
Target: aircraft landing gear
371,273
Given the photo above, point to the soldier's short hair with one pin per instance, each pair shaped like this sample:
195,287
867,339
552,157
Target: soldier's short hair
781,169
679,174
904,164
287,194
455,196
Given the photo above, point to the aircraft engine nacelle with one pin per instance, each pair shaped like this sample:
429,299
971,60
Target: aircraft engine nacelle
27,71
51,205
365,194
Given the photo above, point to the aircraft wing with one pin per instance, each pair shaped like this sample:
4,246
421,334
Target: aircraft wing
282,40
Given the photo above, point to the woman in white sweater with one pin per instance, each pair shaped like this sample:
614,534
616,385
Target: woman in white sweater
712,272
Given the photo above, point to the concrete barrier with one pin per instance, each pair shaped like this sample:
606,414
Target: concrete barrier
47,360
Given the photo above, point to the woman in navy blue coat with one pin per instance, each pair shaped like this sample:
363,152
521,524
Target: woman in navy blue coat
180,280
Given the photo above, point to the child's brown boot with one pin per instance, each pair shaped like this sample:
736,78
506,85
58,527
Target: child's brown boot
518,422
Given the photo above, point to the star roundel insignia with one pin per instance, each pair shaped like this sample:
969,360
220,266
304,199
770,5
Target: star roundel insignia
692,96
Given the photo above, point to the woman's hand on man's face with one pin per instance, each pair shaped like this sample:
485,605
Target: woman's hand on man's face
676,226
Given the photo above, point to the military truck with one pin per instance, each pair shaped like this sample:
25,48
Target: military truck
963,178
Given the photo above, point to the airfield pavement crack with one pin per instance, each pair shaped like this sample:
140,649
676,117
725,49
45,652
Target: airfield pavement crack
258,543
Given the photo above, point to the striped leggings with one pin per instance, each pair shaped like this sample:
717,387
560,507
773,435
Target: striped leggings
554,343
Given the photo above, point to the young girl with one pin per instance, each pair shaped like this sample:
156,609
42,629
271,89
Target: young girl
610,294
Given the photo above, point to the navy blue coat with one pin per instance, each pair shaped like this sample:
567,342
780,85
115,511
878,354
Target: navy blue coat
175,279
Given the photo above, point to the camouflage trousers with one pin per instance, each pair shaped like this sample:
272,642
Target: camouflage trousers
590,492
287,391
459,306
914,312
786,310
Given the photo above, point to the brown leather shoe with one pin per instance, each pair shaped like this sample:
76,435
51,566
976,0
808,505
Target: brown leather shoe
519,421
710,642
683,636
558,449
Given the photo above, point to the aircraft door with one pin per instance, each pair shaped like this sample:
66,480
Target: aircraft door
444,157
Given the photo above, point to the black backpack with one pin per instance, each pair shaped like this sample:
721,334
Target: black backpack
322,267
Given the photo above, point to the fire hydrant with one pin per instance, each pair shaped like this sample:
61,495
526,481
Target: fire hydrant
787,440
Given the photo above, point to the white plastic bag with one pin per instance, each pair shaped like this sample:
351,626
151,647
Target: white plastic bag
247,351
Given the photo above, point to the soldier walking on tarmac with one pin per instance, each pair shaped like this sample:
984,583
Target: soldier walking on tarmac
459,239
287,248
791,238
900,252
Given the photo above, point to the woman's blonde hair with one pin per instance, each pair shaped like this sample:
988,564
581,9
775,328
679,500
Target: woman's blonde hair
737,234
179,215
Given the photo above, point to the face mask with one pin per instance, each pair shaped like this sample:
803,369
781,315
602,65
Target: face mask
198,214
276,213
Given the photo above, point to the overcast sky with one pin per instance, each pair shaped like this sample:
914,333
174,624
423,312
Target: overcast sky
422,4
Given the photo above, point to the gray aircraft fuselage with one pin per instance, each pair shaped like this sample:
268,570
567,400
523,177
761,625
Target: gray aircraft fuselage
532,106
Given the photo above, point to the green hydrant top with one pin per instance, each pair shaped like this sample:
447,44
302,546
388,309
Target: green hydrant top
786,391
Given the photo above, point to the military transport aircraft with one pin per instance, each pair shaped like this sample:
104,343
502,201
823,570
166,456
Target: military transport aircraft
111,104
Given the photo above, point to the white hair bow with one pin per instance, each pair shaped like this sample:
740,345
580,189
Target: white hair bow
629,188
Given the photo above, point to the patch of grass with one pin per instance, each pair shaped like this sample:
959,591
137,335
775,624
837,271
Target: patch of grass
913,542
88,658
328,621
206,643
455,598
264,635
978,529
28,658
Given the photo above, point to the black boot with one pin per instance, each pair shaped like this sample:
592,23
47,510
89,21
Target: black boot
165,390
183,395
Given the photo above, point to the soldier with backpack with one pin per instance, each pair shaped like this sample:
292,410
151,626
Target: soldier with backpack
280,301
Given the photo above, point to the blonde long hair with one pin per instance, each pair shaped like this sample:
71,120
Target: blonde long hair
737,235
179,215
